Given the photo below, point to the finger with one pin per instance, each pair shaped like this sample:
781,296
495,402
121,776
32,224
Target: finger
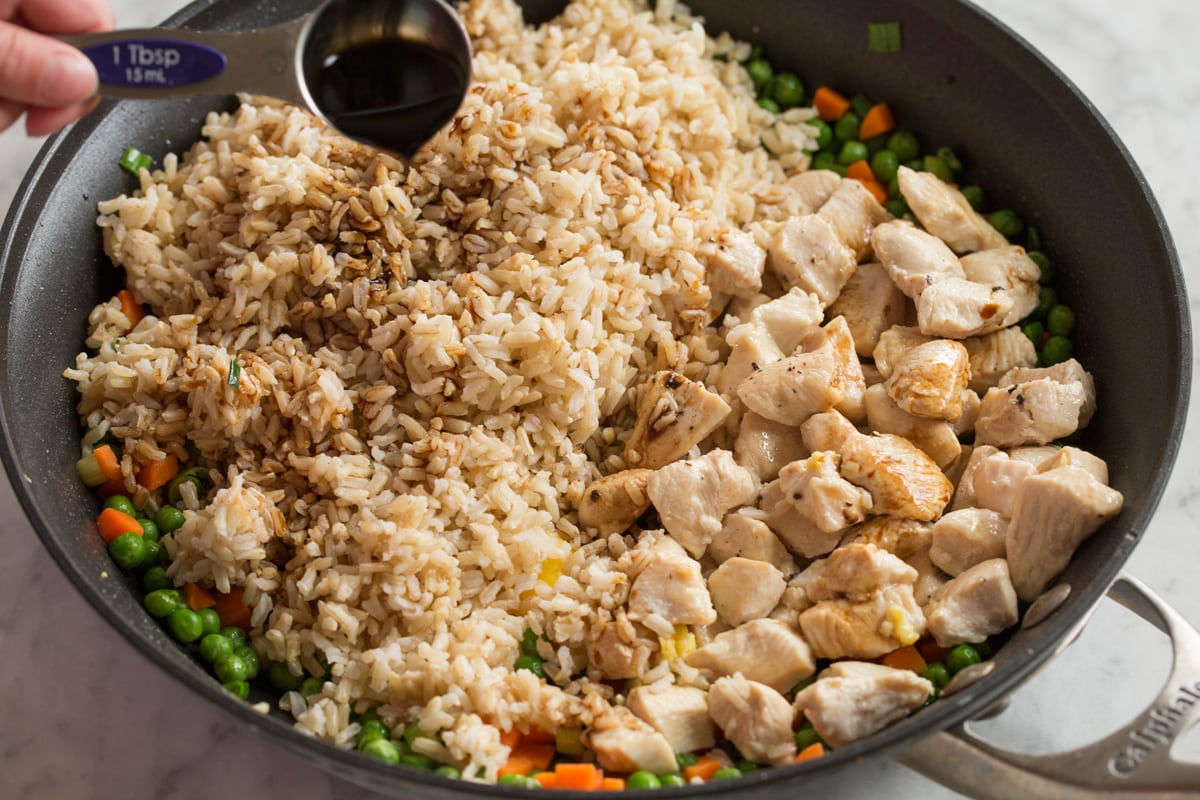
40,71
61,16
10,112
40,121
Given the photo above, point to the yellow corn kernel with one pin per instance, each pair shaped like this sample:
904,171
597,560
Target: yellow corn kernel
678,645
899,627
551,571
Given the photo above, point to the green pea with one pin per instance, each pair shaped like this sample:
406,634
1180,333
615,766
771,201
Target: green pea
672,779
846,128
383,749
824,133
1035,331
425,762
974,196
121,503
884,164
852,152
153,555
827,161
726,774
530,663
156,578
916,165
939,167
787,90
760,72
905,145
161,602
311,685
893,188
371,729
447,771
1060,320
250,656
896,207
285,680
1033,238
239,688
1007,222
936,673
128,550
643,780
768,104
1056,350
1039,258
806,736
168,519
412,732
210,620
950,158
185,625
1047,299
231,667
746,765
961,657
235,635
214,646
511,779
685,759
150,531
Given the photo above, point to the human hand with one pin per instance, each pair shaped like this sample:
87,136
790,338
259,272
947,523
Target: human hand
50,82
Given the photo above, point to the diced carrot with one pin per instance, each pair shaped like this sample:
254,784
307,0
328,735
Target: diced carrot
860,171
112,523
931,651
704,768
877,190
516,765
877,121
130,307
585,777
548,780
159,473
612,785
814,750
107,460
830,105
539,755
113,487
537,736
904,658
198,597
510,738
232,609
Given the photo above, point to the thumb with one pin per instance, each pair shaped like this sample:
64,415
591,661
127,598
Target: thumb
41,71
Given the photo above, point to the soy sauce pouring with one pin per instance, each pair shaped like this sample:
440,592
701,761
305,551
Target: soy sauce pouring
388,73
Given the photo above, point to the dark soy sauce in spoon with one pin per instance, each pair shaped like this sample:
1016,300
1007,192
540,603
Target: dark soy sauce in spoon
392,94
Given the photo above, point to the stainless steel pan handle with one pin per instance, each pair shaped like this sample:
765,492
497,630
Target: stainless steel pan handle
1135,762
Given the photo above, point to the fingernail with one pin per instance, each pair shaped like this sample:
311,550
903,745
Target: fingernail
69,78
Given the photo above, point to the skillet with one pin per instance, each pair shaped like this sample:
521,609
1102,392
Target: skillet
962,80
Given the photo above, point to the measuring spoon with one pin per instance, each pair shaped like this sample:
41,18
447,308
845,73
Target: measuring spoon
388,73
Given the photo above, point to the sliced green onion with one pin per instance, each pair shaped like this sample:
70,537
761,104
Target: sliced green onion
134,161
89,471
196,475
235,374
884,37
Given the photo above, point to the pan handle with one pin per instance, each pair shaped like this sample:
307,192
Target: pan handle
1134,763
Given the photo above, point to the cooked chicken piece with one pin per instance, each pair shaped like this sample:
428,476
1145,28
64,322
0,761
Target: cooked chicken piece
1069,371
945,213
914,259
795,597
624,743
670,586
928,380
854,212
954,470
743,589
857,571
908,540
1008,266
733,263
808,254
795,530
994,354
979,603
956,308
996,480
893,344
789,318
871,304
1054,513
756,718
615,650
850,375
937,438
764,446
970,414
751,349
764,650
869,628
614,502
964,493
1036,454
964,538
691,497
680,713
852,699
1033,412
902,480
821,495
674,415
744,536
814,187
1074,457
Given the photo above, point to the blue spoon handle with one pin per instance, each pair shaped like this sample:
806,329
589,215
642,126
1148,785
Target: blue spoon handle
144,62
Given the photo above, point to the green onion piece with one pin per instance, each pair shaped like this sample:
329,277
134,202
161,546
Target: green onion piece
134,161
884,37
89,471
196,475
235,374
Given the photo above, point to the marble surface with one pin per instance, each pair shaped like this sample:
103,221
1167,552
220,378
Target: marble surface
86,716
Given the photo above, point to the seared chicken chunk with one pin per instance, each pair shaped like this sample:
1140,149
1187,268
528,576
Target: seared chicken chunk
680,713
853,699
808,254
624,743
789,318
751,348
674,414
814,187
994,354
893,344
857,571
979,603
850,375
902,480
945,213
764,650
1006,265
671,587
929,379
964,492
1074,457
966,537
908,540
1069,371
794,529
733,263
970,414
1054,513
997,478
764,446
822,496
914,259
614,502
871,304
854,212
956,308
691,497
755,717
1036,406
936,437
743,589
746,537
614,649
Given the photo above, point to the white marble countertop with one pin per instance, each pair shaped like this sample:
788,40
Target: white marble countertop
86,716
